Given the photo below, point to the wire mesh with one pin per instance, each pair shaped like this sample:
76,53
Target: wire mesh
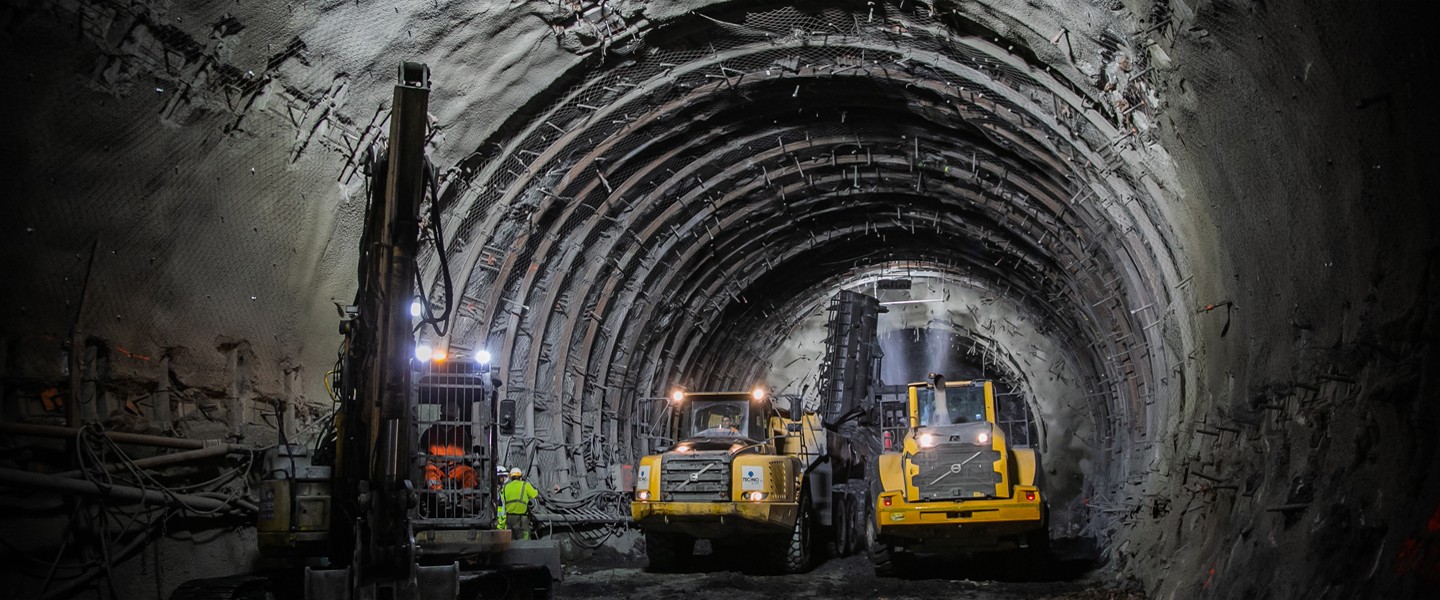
539,206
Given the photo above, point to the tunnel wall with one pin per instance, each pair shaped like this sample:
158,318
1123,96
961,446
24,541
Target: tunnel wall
1285,473
212,154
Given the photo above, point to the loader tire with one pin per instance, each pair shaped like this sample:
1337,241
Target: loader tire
882,554
795,548
668,551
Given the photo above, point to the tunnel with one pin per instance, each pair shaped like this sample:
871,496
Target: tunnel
1190,236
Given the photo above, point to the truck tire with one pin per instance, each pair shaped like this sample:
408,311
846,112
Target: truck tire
860,521
668,551
844,533
795,548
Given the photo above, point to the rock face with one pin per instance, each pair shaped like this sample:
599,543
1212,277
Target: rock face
1192,233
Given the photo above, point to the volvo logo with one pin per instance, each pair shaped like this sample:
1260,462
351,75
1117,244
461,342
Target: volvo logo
694,477
955,468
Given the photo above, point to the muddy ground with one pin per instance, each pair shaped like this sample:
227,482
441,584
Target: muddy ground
930,578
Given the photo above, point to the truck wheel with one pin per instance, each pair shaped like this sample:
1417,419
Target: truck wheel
796,546
668,551
844,531
861,521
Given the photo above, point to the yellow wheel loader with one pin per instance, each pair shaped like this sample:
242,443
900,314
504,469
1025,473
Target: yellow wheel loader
955,484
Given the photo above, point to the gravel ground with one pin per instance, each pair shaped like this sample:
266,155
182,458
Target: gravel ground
852,577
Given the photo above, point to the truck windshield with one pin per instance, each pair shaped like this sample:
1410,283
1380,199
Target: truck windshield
962,405
720,418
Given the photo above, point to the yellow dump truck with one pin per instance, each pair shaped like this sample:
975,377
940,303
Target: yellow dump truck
749,476
955,485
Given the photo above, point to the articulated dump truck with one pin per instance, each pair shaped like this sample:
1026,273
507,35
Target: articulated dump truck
956,485
752,478
761,477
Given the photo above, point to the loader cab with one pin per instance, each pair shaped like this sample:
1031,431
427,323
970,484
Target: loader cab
954,445
964,402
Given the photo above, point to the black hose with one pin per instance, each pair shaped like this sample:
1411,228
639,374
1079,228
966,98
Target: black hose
75,585
441,323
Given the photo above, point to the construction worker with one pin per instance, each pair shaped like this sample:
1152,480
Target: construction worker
516,497
725,428
502,475
445,444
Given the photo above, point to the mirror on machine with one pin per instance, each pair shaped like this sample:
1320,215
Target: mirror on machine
506,420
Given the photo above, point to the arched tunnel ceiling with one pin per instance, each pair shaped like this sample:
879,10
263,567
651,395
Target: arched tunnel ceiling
1213,212
651,220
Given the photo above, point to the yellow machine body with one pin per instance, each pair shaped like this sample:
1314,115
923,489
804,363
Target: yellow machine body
992,501
763,487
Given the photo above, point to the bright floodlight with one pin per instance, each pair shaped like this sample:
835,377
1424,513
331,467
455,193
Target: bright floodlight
415,307
482,357
759,393
677,396
422,353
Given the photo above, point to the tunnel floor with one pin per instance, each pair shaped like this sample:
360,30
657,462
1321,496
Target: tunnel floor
928,577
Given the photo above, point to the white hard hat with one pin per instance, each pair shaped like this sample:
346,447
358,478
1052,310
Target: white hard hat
516,473
499,470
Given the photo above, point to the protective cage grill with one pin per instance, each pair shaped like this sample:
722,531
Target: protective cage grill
956,472
453,463
695,479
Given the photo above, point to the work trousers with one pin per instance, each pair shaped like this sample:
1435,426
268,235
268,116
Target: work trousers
521,526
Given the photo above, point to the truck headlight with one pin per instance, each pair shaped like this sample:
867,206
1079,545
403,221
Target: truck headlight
754,496
983,438
642,495
927,440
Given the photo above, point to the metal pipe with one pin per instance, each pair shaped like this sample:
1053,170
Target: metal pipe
119,437
30,480
163,460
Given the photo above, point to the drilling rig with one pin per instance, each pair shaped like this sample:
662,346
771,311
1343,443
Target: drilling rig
379,508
